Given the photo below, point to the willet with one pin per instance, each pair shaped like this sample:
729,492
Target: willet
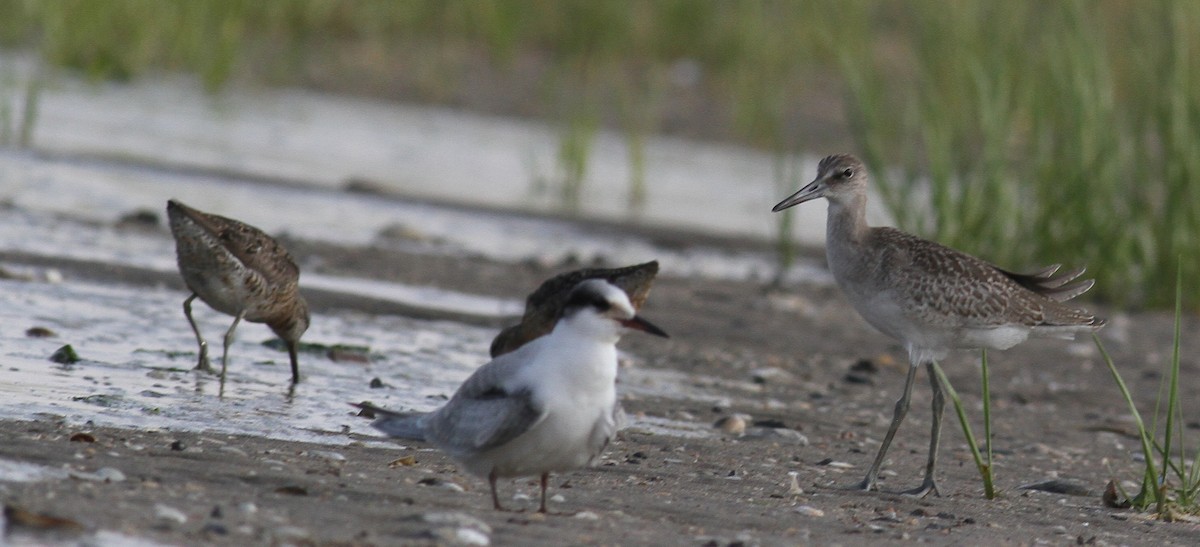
931,297
544,306
237,269
550,406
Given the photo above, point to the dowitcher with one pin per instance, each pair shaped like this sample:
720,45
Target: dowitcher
237,269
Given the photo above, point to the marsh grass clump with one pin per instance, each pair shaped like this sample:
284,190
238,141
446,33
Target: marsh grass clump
1170,477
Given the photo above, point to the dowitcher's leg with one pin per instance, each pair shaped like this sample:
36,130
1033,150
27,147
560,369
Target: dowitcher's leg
228,340
929,485
868,483
187,310
291,347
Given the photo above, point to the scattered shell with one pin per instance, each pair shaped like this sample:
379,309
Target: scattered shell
104,474
83,438
327,455
586,515
288,534
440,483
17,517
457,528
771,375
1059,486
835,464
406,461
779,434
1112,496
733,425
292,490
809,511
169,514
233,450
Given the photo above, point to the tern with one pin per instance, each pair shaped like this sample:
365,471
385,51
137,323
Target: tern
548,407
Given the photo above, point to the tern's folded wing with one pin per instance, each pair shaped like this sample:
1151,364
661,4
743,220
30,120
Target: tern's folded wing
487,410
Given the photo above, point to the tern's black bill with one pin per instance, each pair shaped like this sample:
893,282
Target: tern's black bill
637,323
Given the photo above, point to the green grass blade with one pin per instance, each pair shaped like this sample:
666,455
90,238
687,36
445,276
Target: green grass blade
1148,485
985,470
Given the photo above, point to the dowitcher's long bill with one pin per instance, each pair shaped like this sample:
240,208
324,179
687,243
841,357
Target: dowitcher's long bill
237,269
550,406
930,297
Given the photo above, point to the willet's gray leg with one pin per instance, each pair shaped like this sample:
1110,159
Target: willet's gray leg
929,484
902,404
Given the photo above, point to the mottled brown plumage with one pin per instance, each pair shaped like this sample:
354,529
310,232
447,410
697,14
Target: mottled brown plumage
237,269
544,306
929,296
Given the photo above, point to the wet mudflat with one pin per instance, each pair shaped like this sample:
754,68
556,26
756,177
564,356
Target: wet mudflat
131,445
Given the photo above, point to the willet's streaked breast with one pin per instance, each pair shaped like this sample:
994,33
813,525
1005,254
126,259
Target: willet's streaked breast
930,297
544,306
550,406
237,269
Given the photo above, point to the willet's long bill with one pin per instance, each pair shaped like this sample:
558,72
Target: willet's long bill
930,297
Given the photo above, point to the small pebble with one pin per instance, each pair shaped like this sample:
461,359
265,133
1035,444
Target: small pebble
587,515
177,446
327,455
40,332
794,484
65,355
287,534
169,514
233,450
215,528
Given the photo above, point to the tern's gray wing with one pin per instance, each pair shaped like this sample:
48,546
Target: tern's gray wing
488,409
